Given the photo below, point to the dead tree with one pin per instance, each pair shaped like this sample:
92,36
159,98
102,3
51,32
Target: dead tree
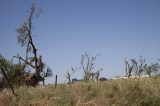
128,68
88,65
152,68
138,65
69,74
95,75
98,74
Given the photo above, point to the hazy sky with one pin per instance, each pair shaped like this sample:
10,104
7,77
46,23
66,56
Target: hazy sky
117,29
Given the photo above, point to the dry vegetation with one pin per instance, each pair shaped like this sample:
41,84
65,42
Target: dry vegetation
131,92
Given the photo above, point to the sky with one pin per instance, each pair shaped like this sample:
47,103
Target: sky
66,29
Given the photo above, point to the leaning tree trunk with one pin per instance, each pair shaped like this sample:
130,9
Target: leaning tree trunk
8,81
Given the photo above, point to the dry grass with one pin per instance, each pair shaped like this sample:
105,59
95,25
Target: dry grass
131,92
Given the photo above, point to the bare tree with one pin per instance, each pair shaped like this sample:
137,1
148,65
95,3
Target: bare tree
95,75
88,65
152,68
138,65
128,68
69,74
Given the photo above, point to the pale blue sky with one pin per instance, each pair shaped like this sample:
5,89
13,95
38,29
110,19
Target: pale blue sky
117,29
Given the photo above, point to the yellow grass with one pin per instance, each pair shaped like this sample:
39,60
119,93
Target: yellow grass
131,92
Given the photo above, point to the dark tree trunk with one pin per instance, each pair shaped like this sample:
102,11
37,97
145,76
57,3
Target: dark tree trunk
8,81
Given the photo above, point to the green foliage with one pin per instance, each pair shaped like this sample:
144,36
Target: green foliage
23,36
14,72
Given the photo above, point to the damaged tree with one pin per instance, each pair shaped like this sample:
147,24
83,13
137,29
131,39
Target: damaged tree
69,74
25,39
136,66
152,68
139,67
128,68
88,67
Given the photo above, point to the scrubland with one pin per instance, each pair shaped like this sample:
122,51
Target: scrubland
122,92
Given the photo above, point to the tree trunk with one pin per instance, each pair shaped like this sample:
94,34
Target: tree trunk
8,81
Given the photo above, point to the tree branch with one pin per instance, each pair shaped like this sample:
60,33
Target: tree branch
30,64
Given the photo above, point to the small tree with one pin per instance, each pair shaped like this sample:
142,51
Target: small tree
69,74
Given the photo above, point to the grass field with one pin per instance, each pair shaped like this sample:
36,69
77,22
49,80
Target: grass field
130,92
